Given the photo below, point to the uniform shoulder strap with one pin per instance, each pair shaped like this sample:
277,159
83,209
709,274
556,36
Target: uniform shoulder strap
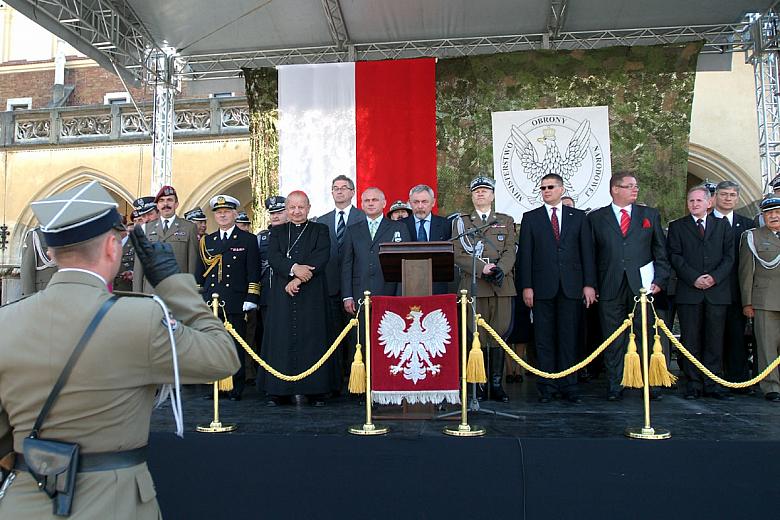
55,392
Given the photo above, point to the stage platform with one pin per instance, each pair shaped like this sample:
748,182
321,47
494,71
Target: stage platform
556,460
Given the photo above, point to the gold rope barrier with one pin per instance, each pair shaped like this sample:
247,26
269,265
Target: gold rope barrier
554,375
306,373
706,371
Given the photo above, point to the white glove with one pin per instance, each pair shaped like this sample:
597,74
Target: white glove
249,306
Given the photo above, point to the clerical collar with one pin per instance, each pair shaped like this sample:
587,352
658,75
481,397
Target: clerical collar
87,271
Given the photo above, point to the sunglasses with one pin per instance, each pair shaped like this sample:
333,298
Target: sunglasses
543,188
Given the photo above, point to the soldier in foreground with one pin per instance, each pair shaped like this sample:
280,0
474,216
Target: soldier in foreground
105,404
494,271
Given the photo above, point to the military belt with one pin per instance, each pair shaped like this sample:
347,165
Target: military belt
101,461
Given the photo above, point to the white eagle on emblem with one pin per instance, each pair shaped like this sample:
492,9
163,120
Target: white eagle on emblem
552,162
415,346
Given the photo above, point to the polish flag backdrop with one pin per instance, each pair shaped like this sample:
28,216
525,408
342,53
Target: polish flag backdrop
373,121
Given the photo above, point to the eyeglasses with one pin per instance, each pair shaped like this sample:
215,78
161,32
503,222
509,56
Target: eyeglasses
341,188
629,186
543,188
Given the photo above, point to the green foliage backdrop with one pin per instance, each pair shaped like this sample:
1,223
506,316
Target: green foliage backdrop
649,92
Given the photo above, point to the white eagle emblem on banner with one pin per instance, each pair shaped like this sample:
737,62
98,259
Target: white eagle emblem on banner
414,347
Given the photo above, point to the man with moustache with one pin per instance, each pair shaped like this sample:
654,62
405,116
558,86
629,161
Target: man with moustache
230,267
298,327
424,226
180,234
557,273
701,251
735,353
759,277
360,267
627,236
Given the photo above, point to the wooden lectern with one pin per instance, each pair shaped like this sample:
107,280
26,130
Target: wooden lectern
417,265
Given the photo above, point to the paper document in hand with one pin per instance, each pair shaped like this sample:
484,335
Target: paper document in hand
647,273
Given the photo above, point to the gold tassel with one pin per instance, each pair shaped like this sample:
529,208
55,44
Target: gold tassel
475,368
659,373
632,369
357,375
226,385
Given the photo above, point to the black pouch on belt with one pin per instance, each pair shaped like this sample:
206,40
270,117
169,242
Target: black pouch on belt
54,464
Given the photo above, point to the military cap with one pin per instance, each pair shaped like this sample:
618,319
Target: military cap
223,201
195,214
242,218
776,184
166,191
275,204
140,202
711,187
134,215
769,204
77,215
399,205
482,182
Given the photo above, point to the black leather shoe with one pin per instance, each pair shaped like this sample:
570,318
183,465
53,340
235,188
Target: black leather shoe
497,394
720,396
574,399
691,394
773,397
544,399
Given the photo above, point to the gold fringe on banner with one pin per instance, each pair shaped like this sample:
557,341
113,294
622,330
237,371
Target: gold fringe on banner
632,368
357,375
659,374
475,368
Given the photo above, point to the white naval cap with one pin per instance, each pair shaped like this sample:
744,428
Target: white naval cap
223,201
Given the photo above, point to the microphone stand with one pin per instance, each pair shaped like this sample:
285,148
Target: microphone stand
474,405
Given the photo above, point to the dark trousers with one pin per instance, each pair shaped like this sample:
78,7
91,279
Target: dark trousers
735,353
557,327
343,356
701,332
239,323
612,313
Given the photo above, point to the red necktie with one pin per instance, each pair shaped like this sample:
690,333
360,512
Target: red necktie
555,225
700,226
625,221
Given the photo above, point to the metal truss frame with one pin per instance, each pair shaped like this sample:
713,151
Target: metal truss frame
765,34
108,31
717,39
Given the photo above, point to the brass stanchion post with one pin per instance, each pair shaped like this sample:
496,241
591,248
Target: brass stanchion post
368,428
216,426
463,429
647,431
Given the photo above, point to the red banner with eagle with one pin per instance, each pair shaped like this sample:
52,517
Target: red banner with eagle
414,349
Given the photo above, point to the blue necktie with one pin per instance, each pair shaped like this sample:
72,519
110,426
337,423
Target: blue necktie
422,236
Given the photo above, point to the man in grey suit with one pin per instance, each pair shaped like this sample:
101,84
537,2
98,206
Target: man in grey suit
343,215
759,277
360,268
181,234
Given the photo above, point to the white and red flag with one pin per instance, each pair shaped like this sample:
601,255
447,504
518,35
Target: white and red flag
373,121
414,349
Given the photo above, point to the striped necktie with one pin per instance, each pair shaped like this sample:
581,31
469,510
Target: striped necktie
372,228
340,228
625,221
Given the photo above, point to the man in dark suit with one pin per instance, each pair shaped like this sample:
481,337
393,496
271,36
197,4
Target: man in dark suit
343,215
557,272
424,226
360,268
701,250
230,267
735,354
627,237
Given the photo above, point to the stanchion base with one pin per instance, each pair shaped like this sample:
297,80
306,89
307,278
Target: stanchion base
216,427
648,433
465,430
368,429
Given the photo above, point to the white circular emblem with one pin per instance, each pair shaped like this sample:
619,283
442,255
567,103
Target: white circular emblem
552,144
